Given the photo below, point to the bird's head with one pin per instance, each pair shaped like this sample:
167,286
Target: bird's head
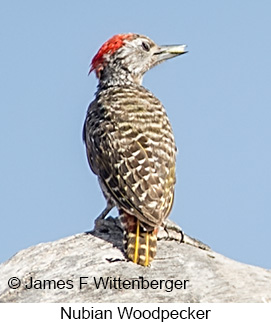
125,58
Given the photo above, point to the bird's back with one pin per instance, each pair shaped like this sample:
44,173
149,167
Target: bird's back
130,146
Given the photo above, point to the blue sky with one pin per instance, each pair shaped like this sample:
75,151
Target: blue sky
217,97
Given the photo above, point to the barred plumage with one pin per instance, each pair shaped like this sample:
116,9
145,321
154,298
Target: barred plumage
130,145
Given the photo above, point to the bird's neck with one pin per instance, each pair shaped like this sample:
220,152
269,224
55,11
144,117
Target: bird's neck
120,77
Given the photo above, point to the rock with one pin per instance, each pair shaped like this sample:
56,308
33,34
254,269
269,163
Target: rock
179,273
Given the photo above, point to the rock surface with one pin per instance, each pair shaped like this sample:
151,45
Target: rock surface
184,273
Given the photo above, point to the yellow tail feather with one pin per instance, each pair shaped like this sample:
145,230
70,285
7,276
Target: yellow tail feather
136,241
141,245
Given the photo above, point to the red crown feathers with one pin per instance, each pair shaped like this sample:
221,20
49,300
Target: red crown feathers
108,47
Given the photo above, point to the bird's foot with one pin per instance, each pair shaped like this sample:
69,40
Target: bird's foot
100,220
171,231
100,223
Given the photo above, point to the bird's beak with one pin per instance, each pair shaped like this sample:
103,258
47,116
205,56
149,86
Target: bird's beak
169,51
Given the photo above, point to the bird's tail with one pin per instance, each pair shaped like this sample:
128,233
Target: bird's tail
139,244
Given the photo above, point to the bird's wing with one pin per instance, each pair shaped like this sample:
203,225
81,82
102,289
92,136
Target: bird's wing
134,167
139,181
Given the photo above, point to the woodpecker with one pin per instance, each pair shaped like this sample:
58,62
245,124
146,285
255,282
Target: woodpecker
129,141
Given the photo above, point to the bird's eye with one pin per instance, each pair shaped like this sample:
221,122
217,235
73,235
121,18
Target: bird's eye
146,46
